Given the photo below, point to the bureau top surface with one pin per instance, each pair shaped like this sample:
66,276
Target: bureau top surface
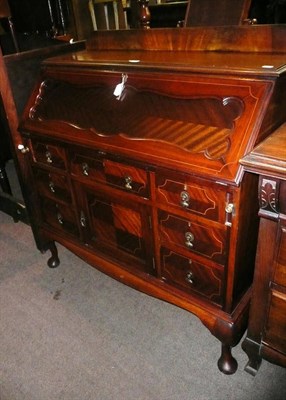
239,49
181,61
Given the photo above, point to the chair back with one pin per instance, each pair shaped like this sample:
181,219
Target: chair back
216,12
5,13
107,14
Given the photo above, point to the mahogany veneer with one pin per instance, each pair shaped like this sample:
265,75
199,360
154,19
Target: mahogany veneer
146,184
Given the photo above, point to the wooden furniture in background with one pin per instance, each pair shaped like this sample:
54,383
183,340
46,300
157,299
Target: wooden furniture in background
266,334
5,13
224,12
133,148
107,14
18,75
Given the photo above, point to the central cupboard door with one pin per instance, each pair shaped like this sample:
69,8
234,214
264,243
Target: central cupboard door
117,226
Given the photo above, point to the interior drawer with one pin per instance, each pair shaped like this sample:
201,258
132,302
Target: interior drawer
192,276
190,194
203,239
48,154
53,185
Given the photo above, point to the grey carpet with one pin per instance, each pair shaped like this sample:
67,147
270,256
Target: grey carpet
73,333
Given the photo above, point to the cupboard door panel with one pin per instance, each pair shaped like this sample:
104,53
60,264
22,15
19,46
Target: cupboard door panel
117,227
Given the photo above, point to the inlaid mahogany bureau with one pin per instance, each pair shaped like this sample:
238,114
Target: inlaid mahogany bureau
266,334
133,147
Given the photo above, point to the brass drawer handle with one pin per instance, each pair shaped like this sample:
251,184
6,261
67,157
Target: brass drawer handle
49,157
52,187
85,168
82,219
189,238
128,182
189,277
23,149
60,218
185,199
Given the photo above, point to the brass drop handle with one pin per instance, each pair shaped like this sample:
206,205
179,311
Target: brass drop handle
49,157
85,168
128,182
185,199
189,277
23,149
189,238
82,219
60,218
52,187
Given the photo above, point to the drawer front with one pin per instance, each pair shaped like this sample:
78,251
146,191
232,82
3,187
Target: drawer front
196,197
192,276
87,166
275,330
127,177
53,185
205,240
120,175
47,154
280,265
60,217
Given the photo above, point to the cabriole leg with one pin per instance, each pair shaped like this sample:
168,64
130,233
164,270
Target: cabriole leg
53,261
227,363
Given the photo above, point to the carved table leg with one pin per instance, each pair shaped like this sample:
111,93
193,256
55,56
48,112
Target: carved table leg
227,363
53,261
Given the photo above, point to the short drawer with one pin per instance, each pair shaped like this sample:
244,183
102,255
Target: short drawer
48,154
192,276
87,166
53,185
123,176
206,240
127,177
60,217
198,197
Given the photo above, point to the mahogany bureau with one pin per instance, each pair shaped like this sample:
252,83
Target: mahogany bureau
266,334
133,147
